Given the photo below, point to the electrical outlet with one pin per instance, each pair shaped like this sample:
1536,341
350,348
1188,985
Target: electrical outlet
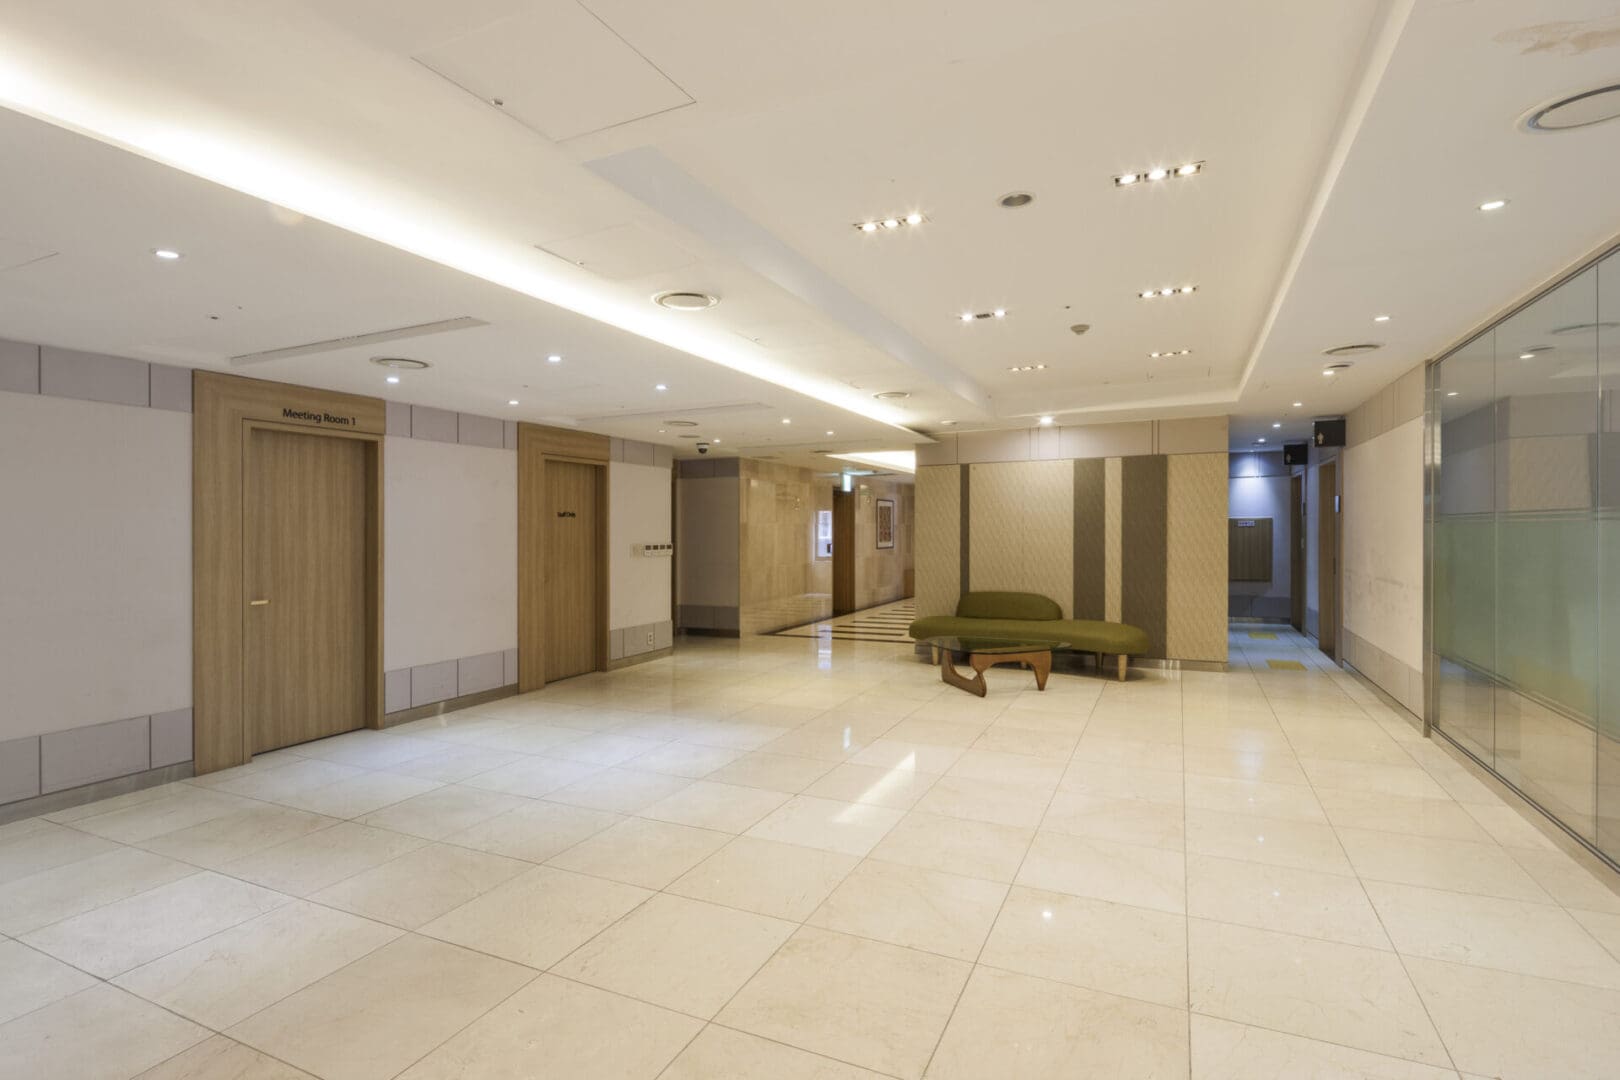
649,637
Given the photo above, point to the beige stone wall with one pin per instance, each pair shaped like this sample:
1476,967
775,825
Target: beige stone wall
781,583
880,573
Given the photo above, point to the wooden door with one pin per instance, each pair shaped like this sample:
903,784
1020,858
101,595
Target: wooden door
1327,558
1296,552
570,569
306,511
843,552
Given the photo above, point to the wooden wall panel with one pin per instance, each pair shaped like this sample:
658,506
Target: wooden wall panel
1248,542
1196,557
939,539
221,407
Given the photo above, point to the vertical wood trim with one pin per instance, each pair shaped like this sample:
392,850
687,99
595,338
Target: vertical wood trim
1113,502
965,503
221,405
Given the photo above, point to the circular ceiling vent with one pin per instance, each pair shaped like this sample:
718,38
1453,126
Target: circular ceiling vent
680,423
1354,350
691,436
1014,199
686,301
1342,365
892,395
400,363
1583,328
1576,111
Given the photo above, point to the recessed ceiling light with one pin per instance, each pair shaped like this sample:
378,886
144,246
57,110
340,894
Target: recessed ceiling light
1327,372
553,359
1178,290
1493,204
1158,172
1261,439
660,386
914,218
1380,318
967,316
947,423
891,223
1276,425
1046,421
786,420
867,226
1015,199
513,401
715,441
661,431
1527,356
974,316
392,379
686,301
166,254
829,433
1298,404
1451,393
1000,313
1170,352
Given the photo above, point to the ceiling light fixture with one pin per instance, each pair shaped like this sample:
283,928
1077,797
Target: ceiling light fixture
1261,439
891,222
660,386
1380,318
1158,172
553,359
1527,356
1013,200
685,301
1000,313
513,401
1493,204
948,423
1046,421
786,420
1170,352
829,433
1179,290
971,316
1277,425
392,379
967,316
1451,393
166,254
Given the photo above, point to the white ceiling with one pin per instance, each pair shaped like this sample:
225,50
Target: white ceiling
729,147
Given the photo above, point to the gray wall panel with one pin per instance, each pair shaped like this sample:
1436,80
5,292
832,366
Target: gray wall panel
615,644
19,769
171,390
480,431
397,419
93,377
509,434
433,682
84,755
171,738
509,667
396,690
439,425
19,367
478,673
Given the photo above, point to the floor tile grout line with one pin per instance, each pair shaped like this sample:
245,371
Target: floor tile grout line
1401,960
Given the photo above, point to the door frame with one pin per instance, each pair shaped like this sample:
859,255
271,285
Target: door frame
224,409
536,446
1327,557
1296,551
844,554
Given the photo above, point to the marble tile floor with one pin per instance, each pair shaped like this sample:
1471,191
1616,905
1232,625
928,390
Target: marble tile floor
779,858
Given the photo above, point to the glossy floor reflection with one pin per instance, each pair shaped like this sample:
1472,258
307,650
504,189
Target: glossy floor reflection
780,858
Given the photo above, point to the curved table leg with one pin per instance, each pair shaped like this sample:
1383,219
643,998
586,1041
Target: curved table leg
975,685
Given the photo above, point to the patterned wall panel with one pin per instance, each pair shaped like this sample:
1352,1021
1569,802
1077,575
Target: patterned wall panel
1112,487
1196,557
938,539
1022,525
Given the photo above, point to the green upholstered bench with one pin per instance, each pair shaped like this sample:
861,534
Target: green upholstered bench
1032,617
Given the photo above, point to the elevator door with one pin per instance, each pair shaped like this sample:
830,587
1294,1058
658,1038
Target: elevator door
306,505
570,571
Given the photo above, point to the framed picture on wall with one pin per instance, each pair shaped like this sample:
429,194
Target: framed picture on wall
885,523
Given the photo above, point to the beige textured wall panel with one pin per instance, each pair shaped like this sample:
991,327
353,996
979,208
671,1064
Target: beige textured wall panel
938,538
1113,518
1193,435
1108,440
781,581
1021,525
985,446
942,451
1195,552
880,573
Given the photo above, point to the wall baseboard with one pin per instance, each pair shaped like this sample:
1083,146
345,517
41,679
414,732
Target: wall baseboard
640,658
89,793
439,708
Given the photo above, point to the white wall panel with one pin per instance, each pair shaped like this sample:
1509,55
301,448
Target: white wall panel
639,513
449,551
1383,541
95,563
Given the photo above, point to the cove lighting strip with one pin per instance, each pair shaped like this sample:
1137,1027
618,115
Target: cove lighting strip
228,154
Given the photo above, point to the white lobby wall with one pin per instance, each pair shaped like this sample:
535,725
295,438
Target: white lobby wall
638,513
1259,489
1383,541
449,551
95,539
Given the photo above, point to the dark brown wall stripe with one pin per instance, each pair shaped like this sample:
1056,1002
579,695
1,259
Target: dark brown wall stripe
1144,503
967,516
1089,538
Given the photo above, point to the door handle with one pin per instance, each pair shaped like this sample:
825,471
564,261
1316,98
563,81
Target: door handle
257,603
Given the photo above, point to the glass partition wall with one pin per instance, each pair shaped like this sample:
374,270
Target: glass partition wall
1524,504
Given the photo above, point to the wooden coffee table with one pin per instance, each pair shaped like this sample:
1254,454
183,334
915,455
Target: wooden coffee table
982,653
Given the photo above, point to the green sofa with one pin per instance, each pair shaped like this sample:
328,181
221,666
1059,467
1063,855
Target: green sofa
1033,618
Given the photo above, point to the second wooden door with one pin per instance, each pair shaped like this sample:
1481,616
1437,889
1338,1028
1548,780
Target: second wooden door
571,571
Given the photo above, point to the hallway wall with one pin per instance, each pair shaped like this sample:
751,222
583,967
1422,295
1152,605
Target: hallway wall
96,539
1259,489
